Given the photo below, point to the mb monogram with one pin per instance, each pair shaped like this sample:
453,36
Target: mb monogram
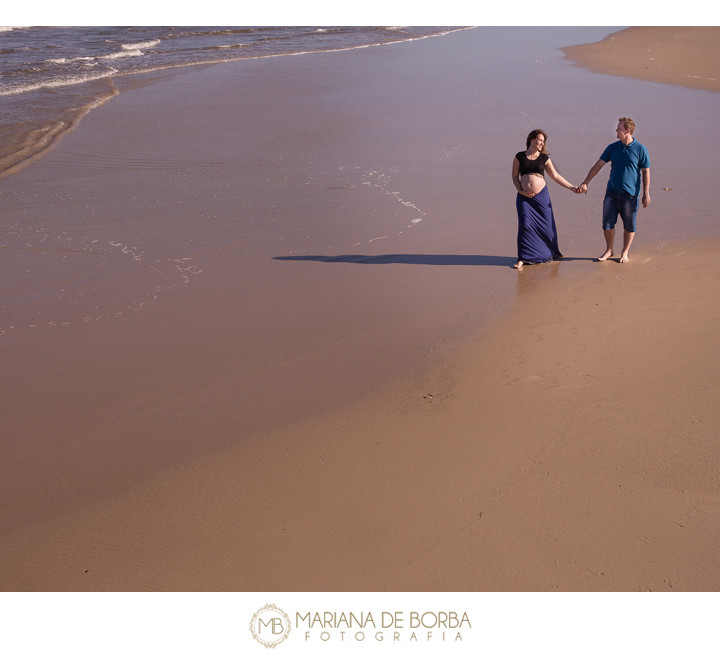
270,626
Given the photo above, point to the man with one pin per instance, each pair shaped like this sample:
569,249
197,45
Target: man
629,174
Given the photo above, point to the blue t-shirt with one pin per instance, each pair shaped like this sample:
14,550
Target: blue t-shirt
626,161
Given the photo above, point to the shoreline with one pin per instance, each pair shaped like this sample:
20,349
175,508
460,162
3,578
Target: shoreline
255,407
655,54
51,131
31,152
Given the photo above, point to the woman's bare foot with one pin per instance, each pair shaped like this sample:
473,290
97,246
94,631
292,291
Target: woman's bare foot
606,255
518,265
624,258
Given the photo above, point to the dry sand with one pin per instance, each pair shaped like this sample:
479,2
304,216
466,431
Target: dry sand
568,443
687,56
571,446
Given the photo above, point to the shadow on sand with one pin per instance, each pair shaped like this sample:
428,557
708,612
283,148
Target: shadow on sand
419,259
410,259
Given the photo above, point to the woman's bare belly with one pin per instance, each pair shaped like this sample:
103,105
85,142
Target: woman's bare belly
532,183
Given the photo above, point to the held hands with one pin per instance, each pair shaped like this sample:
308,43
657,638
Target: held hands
581,189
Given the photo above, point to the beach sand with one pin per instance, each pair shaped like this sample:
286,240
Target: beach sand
687,56
351,388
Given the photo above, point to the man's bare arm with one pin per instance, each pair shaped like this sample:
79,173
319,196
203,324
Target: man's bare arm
646,187
591,174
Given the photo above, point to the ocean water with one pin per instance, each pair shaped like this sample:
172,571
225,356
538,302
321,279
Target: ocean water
50,77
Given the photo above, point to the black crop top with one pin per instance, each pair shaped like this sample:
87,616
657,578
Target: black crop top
536,166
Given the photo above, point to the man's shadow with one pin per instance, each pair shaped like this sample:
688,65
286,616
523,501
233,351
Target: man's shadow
410,259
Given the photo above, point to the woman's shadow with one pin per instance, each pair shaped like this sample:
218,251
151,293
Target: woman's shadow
411,259
421,259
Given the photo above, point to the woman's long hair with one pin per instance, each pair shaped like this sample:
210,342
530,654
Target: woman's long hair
533,135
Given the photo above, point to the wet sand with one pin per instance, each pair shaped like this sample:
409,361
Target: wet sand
289,351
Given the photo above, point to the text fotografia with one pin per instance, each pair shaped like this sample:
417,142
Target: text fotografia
443,626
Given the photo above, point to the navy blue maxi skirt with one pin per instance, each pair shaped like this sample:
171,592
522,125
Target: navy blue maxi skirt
537,236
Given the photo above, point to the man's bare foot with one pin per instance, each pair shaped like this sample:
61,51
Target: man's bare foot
518,265
606,255
624,258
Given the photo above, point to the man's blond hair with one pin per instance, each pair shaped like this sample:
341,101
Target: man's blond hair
628,124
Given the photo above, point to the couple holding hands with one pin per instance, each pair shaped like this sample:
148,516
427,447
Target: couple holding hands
629,179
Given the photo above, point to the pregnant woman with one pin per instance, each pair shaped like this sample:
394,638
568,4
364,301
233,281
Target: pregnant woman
537,235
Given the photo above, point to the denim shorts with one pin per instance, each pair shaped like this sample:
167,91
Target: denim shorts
620,203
